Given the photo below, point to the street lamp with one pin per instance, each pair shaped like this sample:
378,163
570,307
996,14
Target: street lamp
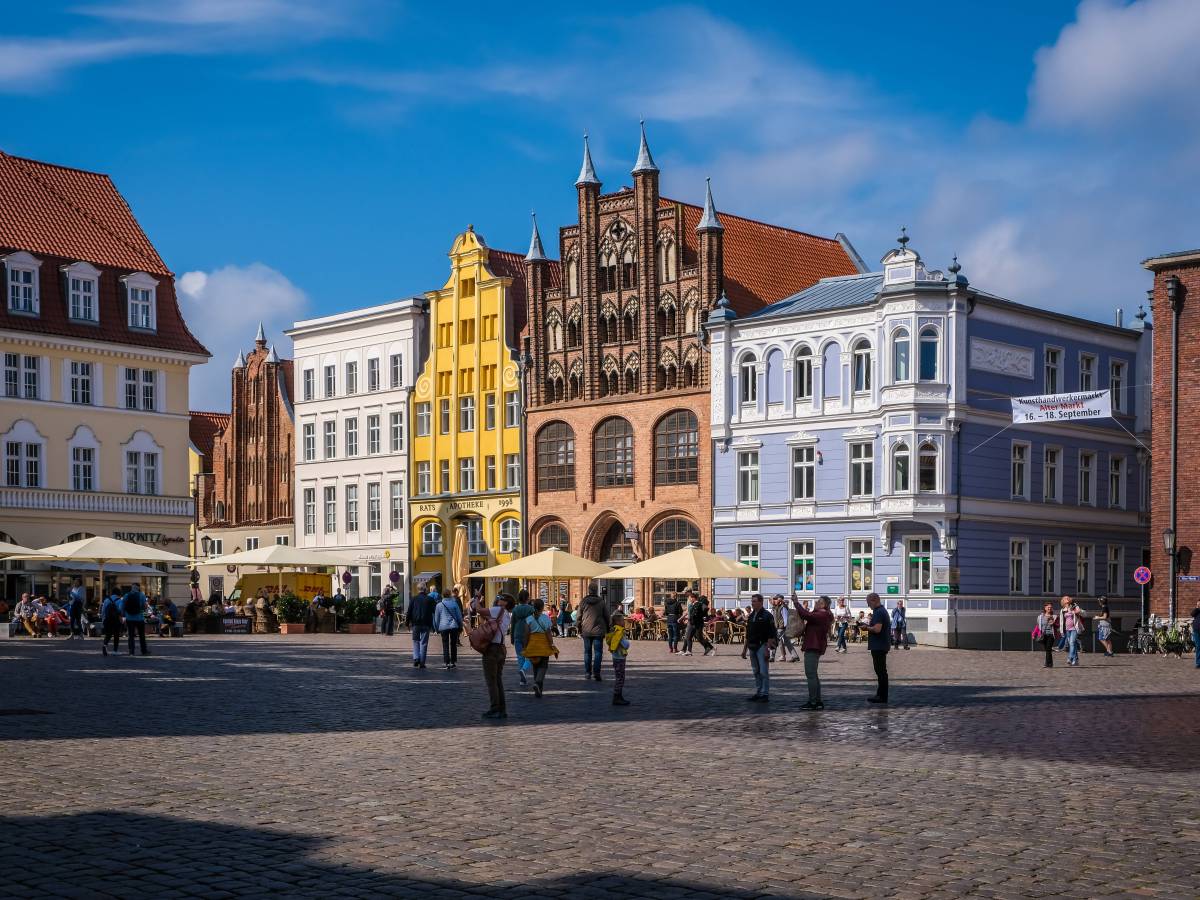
1169,541
950,542
206,545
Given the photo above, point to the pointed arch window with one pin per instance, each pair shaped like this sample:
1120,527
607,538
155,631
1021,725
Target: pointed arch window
628,269
901,361
573,276
553,536
631,381
574,331
667,323
616,547
574,386
630,325
666,259
606,274
608,327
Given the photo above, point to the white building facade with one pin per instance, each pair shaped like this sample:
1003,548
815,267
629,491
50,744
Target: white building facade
354,372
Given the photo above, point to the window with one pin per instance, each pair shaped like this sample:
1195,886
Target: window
927,469
1050,378
804,473
373,434
372,373
424,479
804,374
862,566
22,464
670,535
489,412
352,377
16,366
512,470
310,441
1116,482
83,468
141,388
920,563
444,476
747,461
1018,552
149,389
1051,486
282,540
929,354
466,381
396,428
1020,470
141,307
310,510
467,287
553,536
1087,478
12,374
862,470
747,555
1083,569
900,470
1116,581
466,414
396,363
466,331
32,380
804,566
251,543
217,547
512,409
1116,385
141,472
330,381
510,536
466,474
423,420
352,507
1087,372
677,449
489,470
431,539
475,543
81,382
1050,568
901,363
310,384
444,416
613,460
22,289
374,510
396,505
83,298
556,457
352,437
862,367
330,439
330,509
445,334
487,327
748,381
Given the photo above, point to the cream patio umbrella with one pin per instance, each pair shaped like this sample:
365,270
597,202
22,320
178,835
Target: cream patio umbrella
552,565
104,550
284,556
16,551
689,564
460,565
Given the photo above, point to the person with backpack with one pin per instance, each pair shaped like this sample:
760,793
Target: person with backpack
133,606
697,613
618,647
899,626
673,609
420,620
448,622
488,639
75,609
520,630
387,611
110,622
595,621
539,645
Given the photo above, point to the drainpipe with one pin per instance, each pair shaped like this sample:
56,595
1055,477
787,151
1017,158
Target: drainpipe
1174,298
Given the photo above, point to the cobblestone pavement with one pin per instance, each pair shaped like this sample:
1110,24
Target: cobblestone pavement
327,766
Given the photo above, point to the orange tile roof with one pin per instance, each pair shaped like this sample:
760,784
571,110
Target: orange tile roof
203,428
507,264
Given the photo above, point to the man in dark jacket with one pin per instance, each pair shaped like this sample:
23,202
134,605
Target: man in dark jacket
594,623
673,609
697,613
761,635
817,622
420,617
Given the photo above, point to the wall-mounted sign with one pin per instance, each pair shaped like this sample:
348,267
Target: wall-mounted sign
147,537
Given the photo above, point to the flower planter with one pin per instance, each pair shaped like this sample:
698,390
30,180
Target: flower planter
291,628
369,628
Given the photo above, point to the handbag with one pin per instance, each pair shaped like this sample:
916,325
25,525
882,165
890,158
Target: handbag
537,646
483,634
1037,632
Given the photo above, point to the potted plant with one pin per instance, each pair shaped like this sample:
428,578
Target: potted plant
291,611
360,614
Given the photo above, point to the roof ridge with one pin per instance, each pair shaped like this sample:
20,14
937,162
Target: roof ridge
207,412
725,214
42,162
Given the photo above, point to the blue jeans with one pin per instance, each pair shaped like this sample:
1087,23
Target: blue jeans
1196,644
420,638
523,665
842,627
1072,646
593,652
673,632
760,664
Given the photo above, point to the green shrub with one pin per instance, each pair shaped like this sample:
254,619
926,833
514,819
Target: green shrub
359,610
290,609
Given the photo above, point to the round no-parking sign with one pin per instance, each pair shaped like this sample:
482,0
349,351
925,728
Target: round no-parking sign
1142,575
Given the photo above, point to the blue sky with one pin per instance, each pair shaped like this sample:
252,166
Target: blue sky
292,158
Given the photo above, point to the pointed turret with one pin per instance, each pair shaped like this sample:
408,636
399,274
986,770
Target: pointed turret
240,362
536,252
273,357
587,173
709,221
645,162
260,339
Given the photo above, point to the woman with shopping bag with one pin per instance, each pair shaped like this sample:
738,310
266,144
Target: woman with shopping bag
539,644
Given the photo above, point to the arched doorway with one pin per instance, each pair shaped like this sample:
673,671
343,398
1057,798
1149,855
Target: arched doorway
616,550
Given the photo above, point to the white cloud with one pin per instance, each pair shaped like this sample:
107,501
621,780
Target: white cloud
223,308
315,17
35,63
1119,61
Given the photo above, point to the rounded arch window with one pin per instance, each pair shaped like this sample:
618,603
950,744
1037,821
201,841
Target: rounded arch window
862,366
929,354
554,536
431,539
677,449
900,469
927,469
748,380
556,457
510,536
803,373
901,357
613,453
674,534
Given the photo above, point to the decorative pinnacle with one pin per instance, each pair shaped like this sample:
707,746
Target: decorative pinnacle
587,173
273,357
645,162
536,252
261,337
240,362
709,221
904,238
954,267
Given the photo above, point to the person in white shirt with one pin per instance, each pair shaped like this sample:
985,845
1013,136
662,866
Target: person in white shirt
494,655
841,617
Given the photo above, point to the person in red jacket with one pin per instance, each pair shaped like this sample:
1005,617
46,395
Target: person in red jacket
817,622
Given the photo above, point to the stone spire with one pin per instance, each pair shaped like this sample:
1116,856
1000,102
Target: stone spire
587,174
709,221
645,162
536,252
240,362
273,357
260,339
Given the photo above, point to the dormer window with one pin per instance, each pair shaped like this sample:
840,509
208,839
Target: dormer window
83,282
141,296
22,282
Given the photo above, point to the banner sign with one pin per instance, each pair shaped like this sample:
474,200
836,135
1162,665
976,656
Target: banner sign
1062,407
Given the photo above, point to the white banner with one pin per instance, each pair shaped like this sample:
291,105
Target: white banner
1062,407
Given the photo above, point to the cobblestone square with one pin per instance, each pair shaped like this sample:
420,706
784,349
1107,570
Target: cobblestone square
326,766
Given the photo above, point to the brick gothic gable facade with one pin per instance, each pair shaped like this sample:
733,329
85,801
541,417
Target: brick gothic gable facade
618,393
252,465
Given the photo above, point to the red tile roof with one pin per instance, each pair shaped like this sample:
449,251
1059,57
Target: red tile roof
512,265
63,215
203,428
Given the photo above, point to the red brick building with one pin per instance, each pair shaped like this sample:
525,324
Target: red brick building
1176,287
618,454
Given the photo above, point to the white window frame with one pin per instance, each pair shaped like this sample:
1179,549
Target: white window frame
924,452
372,374
1087,369
466,473
351,429
142,301
424,417
868,556
748,381
748,555
30,301
476,545
330,508
1021,557
1022,460
864,466
351,495
805,552
512,409
351,377
902,336
444,416
374,507
330,378
860,366
329,430
282,540
1057,496
309,437
83,305
1052,358
432,540
510,536
1055,557
395,505
443,476
919,547
1085,555
802,373
396,368
310,510
1116,384
922,340
466,414
489,412
489,478
374,438
1086,479
83,468
748,487
902,450
1115,560
512,470
81,383
804,473
424,478
396,431
1117,464
310,384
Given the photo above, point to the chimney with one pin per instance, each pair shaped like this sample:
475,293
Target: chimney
1120,317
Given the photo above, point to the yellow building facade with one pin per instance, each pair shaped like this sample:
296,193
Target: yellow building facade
465,419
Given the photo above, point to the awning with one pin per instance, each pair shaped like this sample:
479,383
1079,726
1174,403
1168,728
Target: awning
110,569
422,577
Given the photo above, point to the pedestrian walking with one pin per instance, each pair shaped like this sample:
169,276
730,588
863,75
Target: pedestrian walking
110,622
75,603
448,622
673,609
781,613
697,613
843,617
817,622
539,644
900,626
488,639
595,621
520,629
618,647
420,621
761,636
1104,627
387,611
879,641
1044,632
564,618
133,606
1070,624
